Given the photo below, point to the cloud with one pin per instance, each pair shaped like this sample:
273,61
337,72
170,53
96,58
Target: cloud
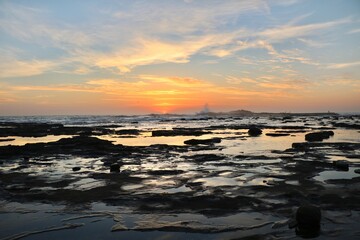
343,65
177,81
146,50
281,85
240,80
144,34
11,66
6,96
142,37
57,88
288,31
284,2
268,82
313,43
34,25
354,31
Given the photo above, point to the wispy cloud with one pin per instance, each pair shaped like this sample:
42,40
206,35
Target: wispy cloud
57,88
11,66
343,65
354,31
33,25
144,51
177,81
288,31
152,37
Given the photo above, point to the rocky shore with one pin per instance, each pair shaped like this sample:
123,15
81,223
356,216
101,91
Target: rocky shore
200,177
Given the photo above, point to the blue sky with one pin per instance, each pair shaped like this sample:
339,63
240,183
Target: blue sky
135,57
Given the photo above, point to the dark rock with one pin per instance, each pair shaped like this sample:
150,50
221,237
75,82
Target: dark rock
178,132
347,125
357,171
277,134
44,129
292,223
115,167
7,140
165,172
342,165
75,169
294,127
128,132
301,146
207,157
17,187
78,145
318,136
202,141
254,131
308,221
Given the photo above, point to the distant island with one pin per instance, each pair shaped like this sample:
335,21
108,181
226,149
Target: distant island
246,113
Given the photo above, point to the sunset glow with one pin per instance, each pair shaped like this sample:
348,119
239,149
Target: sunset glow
139,57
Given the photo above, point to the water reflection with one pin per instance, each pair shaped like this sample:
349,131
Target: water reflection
20,141
334,175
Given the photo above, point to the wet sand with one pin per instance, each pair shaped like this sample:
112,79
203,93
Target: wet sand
179,178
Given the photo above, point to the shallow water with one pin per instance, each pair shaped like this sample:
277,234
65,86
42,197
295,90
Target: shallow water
337,174
20,141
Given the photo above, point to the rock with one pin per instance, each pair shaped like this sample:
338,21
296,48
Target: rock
347,125
207,157
17,187
254,131
292,223
128,132
277,134
342,165
202,141
165,172
178,132
115,167
75,169
308,220
301,146
357,171
7,140
318,136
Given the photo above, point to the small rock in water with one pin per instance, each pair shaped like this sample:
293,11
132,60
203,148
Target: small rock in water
277,134
75,169
202,141
308,220
115,167
254,131
318,136
357,171
342,165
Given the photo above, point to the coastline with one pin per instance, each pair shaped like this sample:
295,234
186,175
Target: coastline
226,183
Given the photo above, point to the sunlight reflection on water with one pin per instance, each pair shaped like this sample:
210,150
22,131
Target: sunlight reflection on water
20,141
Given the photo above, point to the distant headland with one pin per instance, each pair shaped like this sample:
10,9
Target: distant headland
247,113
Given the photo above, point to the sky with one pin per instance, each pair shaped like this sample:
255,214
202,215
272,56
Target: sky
176,56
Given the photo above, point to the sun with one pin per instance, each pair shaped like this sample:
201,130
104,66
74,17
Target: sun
164,107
